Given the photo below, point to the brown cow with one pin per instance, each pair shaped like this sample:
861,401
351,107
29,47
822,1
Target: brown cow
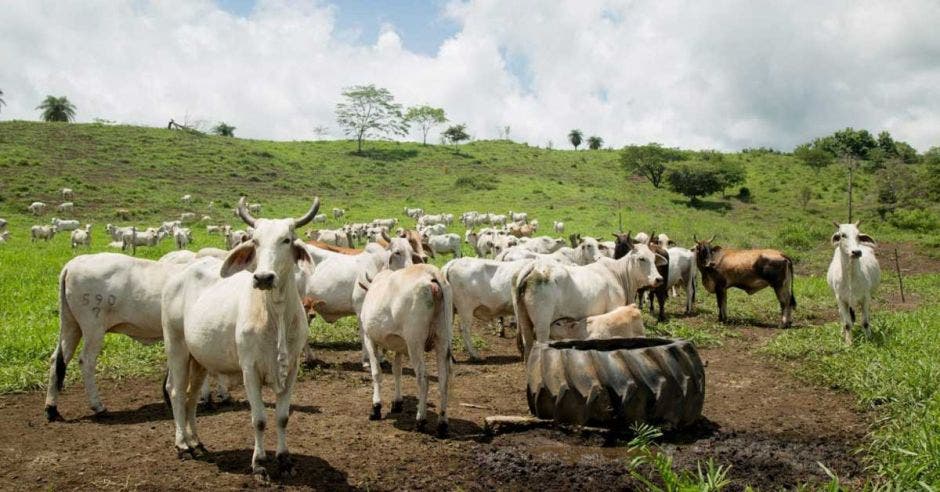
623,243
417,243
335,249
749,270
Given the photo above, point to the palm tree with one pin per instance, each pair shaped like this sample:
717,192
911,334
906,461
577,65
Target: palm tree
595,142
575,137
224,130
57,109
2,102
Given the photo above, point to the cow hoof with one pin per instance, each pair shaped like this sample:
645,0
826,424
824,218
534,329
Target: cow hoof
397,406
207,406
186,453
286,466
200,451
442,429
421,425
260,474
52,414
227,401
376,412
102,414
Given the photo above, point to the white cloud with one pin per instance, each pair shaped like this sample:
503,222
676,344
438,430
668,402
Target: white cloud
724,75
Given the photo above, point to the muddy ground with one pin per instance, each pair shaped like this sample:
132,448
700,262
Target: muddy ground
769,427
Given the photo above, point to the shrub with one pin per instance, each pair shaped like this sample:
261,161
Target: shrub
799,237
474,182
917,220
744,194
694,181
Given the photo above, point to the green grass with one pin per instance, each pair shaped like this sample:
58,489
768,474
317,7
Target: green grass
896,374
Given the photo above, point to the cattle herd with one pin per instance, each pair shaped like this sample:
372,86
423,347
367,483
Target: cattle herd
244,309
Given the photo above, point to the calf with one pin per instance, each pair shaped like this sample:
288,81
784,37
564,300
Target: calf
625,321
45,233
853,275
81,237
249,322
750,270
410,311
37,208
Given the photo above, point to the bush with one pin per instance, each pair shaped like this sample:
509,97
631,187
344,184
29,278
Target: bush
799,237
694,181
744,194
474,182
918,220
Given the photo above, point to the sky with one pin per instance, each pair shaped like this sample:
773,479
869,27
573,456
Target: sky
723,74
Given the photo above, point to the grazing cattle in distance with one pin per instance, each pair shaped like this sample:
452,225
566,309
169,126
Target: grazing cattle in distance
65,207
524,230
410,311
336,237
206,218
213,229
750,270
65,225
234,238
81,237
543,244
182,236
559,227
622,245
502,242
42,232
445,243
186,199
853,275
482,290
117,233
545,290
3,224
4,236
149,237
586,252
67,194
98,294
254,208
431,219
187,217
386,223
625,321
249,322
432,230
414,213
338,212
37,208
320,218
518,217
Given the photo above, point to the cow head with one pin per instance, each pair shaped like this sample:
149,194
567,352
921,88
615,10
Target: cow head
641,265
850,241
706,253
272,251
401,254
589,250
623,243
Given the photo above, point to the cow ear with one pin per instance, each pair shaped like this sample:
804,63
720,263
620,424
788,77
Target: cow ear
835,238
671,243
416,258
716,248
240,258
661,260
865,238
301,255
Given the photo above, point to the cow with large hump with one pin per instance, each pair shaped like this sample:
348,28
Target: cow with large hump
545,290
750,270
410,311
853,275
250,322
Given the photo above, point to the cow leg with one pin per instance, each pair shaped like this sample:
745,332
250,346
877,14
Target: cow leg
722,295
376,371
397,402
846,316
178,381
258,420
865,320
197,376
69,336
661,295
689,295
416,354
465,322
88,360
222,387
309,356
282,410
444,369
365,353
783,296
639,300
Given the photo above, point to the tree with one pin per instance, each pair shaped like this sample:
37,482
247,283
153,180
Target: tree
224,130
369,111
426,118
456,134
648,160
813,156
2,102
694,181
321,131
730,173
575,137
57,109
595,142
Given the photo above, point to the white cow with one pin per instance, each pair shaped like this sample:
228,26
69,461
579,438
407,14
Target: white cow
607,248
187,199
496,219
518,217
66,207
432,230
3,224
213,229
410,311
117,233
251,322
234,238
386,223
587,252
81,237
4,236
320,218
149,237
65,225
182,236
559,227
502,242
546,290
206,218
67,194
445,243
37,208
254,208
426,220
98,294
482,290
854,274
625,321
414,213
642,238
45,233
543,244
336,237
187,217
338,212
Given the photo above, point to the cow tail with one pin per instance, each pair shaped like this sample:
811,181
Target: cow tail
67,325
792,281
523,322
445,317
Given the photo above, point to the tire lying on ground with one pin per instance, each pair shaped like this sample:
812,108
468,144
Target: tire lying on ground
617,381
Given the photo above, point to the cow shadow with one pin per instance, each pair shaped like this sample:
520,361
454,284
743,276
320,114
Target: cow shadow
337,345
709,205
312,471
156,412
405,419
497,360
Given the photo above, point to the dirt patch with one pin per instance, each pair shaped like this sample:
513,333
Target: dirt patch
769,427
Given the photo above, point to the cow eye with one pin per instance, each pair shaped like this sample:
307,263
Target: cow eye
843,235
286,240
642,259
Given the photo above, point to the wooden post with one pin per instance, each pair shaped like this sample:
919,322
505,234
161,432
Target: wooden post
851,173
897,268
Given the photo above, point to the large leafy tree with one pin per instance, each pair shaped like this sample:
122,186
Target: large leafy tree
575,137
224,130
595,142
369,111
648,160
697,180
456,134
426,118
57,109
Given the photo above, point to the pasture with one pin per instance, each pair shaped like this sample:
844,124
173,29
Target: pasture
782,408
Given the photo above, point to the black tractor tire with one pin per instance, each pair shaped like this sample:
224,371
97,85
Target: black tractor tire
617,381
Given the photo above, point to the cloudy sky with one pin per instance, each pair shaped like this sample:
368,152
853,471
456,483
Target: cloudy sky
723,74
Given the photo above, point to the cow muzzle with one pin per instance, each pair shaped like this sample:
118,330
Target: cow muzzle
856,253
264,280
657,281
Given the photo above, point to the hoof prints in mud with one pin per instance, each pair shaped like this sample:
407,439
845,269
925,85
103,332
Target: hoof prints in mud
509,466
769,462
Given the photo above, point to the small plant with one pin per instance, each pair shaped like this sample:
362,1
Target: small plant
712,478
805,195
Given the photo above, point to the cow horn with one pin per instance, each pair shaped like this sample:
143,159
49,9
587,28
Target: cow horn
836,224
310,213
385,236
857,222
694,238
713,237
243,212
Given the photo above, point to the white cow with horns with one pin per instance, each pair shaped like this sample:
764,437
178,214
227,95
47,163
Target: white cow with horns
251,322
854,274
